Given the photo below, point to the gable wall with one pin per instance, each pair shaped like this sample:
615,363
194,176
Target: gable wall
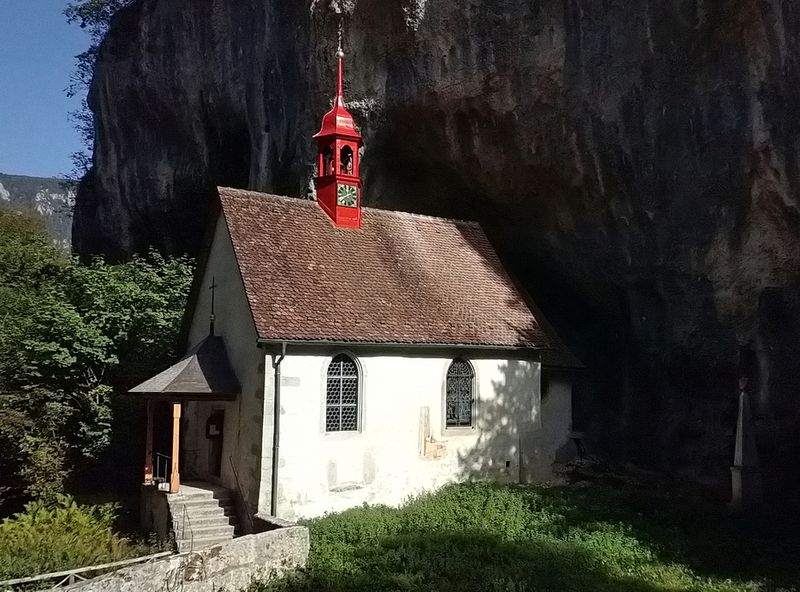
386,461
243,416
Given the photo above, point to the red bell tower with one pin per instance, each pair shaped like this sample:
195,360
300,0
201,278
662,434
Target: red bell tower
338,182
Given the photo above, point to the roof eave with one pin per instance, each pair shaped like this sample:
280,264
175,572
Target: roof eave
547,355
182,396
417,344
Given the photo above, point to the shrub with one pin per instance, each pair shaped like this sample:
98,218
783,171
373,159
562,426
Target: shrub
65,535
44,470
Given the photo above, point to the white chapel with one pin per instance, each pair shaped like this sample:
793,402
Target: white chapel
341,355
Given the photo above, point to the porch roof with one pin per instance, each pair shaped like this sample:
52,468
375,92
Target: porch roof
204,374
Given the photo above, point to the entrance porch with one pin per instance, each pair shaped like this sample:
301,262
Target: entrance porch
195,510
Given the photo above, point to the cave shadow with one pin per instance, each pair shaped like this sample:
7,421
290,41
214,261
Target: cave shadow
695,533
678,523
681,526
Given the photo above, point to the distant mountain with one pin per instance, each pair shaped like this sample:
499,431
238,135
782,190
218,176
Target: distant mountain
47,197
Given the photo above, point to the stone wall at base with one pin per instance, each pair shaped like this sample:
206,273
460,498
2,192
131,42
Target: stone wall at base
230,567
154,512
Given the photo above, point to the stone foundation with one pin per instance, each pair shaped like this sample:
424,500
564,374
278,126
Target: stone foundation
154,512
231,566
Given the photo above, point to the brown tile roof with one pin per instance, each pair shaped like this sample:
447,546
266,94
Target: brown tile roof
403,278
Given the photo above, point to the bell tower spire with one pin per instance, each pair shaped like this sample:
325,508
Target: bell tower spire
338,182
340,66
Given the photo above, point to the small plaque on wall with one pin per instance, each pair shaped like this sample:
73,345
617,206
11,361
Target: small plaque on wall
290,381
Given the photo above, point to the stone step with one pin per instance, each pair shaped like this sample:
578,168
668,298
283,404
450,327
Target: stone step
205,492
208,526
223,498
201,513
206,531
205,535
196,526
202,501
200,542
200,520
207,511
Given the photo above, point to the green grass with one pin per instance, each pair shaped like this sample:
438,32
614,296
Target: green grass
599,537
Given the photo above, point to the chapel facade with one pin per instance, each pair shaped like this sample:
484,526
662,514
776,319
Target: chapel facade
341,355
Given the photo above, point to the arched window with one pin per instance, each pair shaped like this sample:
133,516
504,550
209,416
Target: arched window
346,160
459,397
341,404
327,166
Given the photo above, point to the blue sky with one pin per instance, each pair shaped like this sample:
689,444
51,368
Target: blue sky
37,49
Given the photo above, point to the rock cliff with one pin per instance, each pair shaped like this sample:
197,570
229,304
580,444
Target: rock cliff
48,198
635,162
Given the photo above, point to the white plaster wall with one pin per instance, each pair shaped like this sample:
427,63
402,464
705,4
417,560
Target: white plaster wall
549,442
243,416
321,472
264,495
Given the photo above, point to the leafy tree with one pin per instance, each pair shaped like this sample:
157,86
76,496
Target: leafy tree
94,16
72,335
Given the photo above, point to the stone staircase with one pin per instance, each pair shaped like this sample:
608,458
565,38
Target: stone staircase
202,515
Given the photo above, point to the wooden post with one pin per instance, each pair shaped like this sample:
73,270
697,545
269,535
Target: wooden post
175,478
148,445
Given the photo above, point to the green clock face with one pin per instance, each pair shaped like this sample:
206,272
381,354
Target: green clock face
347,195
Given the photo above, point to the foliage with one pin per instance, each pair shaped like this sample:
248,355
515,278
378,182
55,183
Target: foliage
93,16
68,332
43,469
515,538
65,535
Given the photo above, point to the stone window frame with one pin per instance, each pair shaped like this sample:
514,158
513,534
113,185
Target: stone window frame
448,430
324,396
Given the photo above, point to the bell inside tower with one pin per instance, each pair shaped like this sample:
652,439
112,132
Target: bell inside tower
346,160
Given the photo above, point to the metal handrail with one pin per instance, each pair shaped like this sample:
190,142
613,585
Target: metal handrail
245,505
163,468
64,577
187,522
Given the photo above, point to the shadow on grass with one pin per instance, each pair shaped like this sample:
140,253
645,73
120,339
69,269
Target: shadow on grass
590,537
457,562
682,526
679,524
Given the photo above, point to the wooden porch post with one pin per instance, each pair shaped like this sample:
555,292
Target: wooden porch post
148,445
175,478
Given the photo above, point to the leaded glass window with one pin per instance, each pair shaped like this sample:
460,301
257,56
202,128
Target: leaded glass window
458,394
341,404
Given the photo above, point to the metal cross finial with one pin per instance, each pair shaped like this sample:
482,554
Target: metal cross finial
339,50
212,317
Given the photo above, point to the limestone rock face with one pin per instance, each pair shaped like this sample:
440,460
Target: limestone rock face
50,199
635,162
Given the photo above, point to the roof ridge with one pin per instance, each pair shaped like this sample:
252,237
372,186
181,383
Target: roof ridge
379,211
424,216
